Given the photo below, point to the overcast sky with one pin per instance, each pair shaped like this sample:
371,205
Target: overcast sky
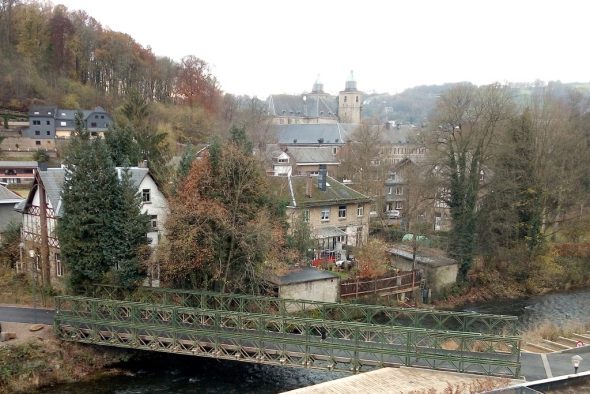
258,47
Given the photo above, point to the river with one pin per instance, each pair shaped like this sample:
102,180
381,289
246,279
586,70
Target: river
184,374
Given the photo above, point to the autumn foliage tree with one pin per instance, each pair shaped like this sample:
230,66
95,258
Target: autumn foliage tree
197,85
223,232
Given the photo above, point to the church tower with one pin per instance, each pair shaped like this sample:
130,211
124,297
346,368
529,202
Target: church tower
350,102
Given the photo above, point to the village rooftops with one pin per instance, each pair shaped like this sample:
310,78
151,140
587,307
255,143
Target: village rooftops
303,191
314,134
313,105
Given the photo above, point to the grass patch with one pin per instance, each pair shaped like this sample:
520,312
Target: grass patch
551,331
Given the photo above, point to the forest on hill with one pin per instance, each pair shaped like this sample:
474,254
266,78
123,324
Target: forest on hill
52,55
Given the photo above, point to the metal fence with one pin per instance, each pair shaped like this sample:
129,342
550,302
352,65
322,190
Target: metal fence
371,314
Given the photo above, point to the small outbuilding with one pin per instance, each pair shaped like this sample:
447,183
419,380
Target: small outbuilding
306,284
439,272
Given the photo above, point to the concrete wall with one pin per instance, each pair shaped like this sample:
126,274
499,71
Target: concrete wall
438,278
319,290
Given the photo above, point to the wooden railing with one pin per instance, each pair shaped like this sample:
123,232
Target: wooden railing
400,283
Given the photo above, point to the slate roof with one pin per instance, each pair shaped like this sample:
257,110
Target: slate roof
53,180
18,164
62,114
7,196
314,106
307,155
311,134
43,110
294,188
432,261
399,135
302,275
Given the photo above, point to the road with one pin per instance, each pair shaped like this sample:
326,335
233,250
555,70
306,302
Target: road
26,315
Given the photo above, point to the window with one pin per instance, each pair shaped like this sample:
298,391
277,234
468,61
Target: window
95,116
154,221
342,212
399,190
59,268
345,98
37,142
93,124
48,122
145,195
102,116
360,210
325,214
399,205
334,150
62,123
36,122
306,215
283,160
37,132
48,132
390,191
357,99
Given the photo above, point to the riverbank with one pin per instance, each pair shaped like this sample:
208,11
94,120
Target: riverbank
37,359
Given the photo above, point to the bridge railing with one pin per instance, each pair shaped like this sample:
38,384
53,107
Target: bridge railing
280,339
372,314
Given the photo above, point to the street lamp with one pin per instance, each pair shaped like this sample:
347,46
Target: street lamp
576,360
33,255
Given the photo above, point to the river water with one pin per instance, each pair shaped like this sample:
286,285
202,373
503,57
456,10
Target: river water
184,374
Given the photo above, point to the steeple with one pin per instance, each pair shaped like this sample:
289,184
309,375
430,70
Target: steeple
350,102
350,83
318,87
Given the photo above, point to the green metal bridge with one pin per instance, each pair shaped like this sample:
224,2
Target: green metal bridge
297,333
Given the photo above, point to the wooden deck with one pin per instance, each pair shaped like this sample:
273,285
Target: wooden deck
406,380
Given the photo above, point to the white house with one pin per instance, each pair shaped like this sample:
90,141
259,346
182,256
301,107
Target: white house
44,245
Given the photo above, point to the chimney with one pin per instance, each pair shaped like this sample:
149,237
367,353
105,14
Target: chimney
322,177
308,186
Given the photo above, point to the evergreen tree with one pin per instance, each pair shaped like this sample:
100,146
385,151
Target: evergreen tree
101,227
86,229
123,146
131,226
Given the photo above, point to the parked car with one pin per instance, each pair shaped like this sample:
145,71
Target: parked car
393,214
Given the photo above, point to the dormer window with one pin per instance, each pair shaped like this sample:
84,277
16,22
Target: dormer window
283,160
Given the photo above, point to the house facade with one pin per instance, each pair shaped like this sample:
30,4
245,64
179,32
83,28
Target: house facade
17,172
39,221
50,122
337,215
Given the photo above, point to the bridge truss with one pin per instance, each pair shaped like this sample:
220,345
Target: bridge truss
231,331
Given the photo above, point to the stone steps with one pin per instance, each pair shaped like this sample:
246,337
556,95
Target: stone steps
562,343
